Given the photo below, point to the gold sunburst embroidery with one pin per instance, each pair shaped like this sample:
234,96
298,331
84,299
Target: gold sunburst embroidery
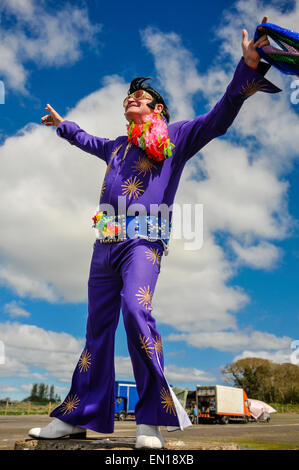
115,151
146,344
128,146
167,401
132,187
103,188
153,255
145,297
252,87
108,168
143,165
84,361
158,345
69,404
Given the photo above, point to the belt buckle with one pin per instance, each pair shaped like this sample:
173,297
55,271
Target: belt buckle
110,228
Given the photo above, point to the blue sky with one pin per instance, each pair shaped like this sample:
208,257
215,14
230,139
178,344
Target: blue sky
237,296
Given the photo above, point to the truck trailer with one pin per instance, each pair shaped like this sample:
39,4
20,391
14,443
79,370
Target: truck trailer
126,397
222,404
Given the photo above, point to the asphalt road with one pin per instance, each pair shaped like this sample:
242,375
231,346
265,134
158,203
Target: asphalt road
282,432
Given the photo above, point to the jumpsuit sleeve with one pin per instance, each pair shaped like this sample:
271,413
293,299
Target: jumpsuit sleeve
191,136
97,146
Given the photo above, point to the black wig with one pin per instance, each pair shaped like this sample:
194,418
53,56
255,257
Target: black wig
138,84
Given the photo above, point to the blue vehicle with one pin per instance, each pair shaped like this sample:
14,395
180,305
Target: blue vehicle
126,397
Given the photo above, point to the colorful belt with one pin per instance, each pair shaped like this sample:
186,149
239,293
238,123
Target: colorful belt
119,228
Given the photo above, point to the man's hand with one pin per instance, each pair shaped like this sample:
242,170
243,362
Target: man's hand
251,56
53,119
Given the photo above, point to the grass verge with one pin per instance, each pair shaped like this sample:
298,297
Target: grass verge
260,445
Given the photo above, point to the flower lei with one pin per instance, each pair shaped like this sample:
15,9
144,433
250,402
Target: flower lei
152,137
106,225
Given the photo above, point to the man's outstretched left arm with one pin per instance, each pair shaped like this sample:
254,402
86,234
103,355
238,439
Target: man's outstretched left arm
191,136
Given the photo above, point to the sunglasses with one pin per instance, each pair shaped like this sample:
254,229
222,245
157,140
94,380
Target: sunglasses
137,95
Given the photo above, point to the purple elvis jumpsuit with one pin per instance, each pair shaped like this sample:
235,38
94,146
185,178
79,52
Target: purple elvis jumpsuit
123,275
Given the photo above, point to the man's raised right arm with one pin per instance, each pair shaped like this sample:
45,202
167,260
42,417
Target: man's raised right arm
70,131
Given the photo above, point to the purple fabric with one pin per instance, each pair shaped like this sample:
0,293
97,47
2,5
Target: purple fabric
124,274
159,183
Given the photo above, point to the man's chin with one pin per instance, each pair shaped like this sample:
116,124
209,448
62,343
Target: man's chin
131,116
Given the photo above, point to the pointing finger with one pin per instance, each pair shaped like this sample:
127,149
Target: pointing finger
244,35
49,108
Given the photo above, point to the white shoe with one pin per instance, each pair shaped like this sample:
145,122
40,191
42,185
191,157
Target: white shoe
148,437
57,429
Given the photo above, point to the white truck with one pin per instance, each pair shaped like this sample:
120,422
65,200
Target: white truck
219,403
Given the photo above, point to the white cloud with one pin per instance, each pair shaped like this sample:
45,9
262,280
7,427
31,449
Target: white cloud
123,367
244,197
247,15
46,38
19,7
264,255
280,356
7,389
26,387
29,347
275,131
176,375
243,187
14,309
234,341
61,187
240,197
173,373
191,293
175,66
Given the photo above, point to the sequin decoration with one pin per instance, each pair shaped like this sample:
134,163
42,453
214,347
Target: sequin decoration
115,151
252,87
167,401
146,344
70,404
125,152
108,169
106,224
103,189
84,361
153,255
158,345
143,166
132,187
145,297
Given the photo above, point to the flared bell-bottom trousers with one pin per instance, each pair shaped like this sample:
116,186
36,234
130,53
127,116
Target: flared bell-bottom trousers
123,275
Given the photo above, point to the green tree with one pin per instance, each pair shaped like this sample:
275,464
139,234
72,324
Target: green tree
33,394
41,392
264,380
51,397
251,374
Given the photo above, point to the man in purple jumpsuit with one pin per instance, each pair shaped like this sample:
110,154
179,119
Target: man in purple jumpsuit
123,275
